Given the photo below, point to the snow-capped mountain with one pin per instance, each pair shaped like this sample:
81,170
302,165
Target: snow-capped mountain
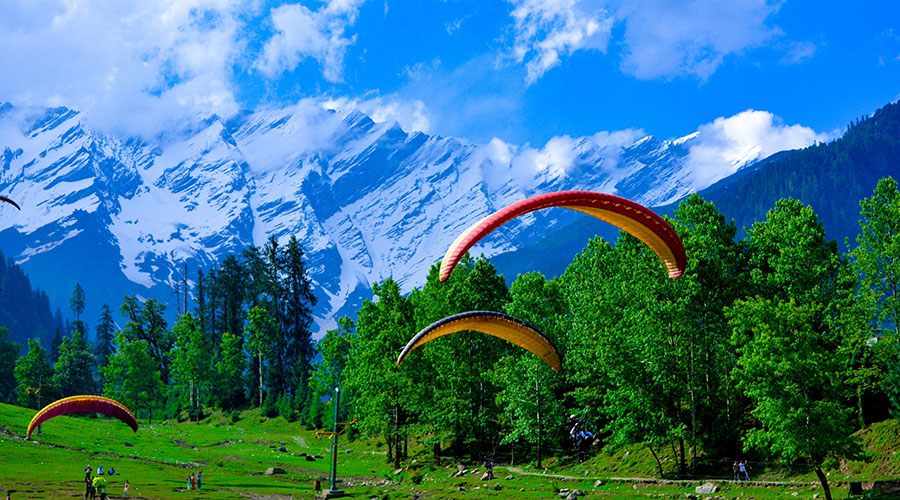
367,200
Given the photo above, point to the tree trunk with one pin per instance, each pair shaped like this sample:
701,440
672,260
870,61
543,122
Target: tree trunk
658,463
859,404
437,453
390,443
824,481
260,382
540,430
397,452
539,452
682,465
396,436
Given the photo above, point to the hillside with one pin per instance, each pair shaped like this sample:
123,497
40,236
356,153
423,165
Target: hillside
26,312
234,454
831,177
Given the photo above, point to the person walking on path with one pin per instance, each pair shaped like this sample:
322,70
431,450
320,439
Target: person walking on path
735,471
745,470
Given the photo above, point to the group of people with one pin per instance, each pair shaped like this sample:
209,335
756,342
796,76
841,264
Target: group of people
741,470
194,482
581,437
95,486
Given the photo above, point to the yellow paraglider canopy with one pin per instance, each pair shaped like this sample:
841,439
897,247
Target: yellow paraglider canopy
492,323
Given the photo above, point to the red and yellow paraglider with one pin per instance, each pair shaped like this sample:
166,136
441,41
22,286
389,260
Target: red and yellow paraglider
497,324
83,404
635,219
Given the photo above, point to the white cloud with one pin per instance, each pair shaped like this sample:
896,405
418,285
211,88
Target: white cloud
317,34
726,144
799,52
661,38
127,65
528,166
667,38
412,115
545,30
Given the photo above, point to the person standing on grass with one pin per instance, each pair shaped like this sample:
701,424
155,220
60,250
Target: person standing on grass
188,486
199,478
745,469
192,481
126,487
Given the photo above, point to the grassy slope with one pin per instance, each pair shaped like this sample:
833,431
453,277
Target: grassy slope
234,456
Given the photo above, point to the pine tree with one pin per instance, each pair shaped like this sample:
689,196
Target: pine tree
298,303
9,352
54,346
106,329
76,303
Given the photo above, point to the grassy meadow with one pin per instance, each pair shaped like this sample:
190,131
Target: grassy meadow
235,455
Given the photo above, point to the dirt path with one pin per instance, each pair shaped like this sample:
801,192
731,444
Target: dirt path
517,470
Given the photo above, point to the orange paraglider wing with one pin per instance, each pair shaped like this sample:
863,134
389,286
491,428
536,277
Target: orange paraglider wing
635,219
83,404
4,198
497,324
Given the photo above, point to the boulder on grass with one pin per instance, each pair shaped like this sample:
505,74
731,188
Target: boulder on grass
706,489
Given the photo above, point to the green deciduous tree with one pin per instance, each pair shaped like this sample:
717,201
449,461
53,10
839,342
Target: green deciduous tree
229,381
73,372
261,332
788,335
146,322
381,391
788,370
191,362
453,369
872,342
132,375
334,347
530,392
33,372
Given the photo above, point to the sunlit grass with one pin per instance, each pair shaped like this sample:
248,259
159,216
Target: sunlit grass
235,456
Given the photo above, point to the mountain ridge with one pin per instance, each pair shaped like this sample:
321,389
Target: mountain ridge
367,200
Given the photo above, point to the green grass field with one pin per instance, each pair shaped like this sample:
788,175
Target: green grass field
235,456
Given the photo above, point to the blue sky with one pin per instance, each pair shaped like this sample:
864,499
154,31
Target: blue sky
522,71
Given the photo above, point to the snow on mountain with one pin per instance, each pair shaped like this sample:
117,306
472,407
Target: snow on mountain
367,200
